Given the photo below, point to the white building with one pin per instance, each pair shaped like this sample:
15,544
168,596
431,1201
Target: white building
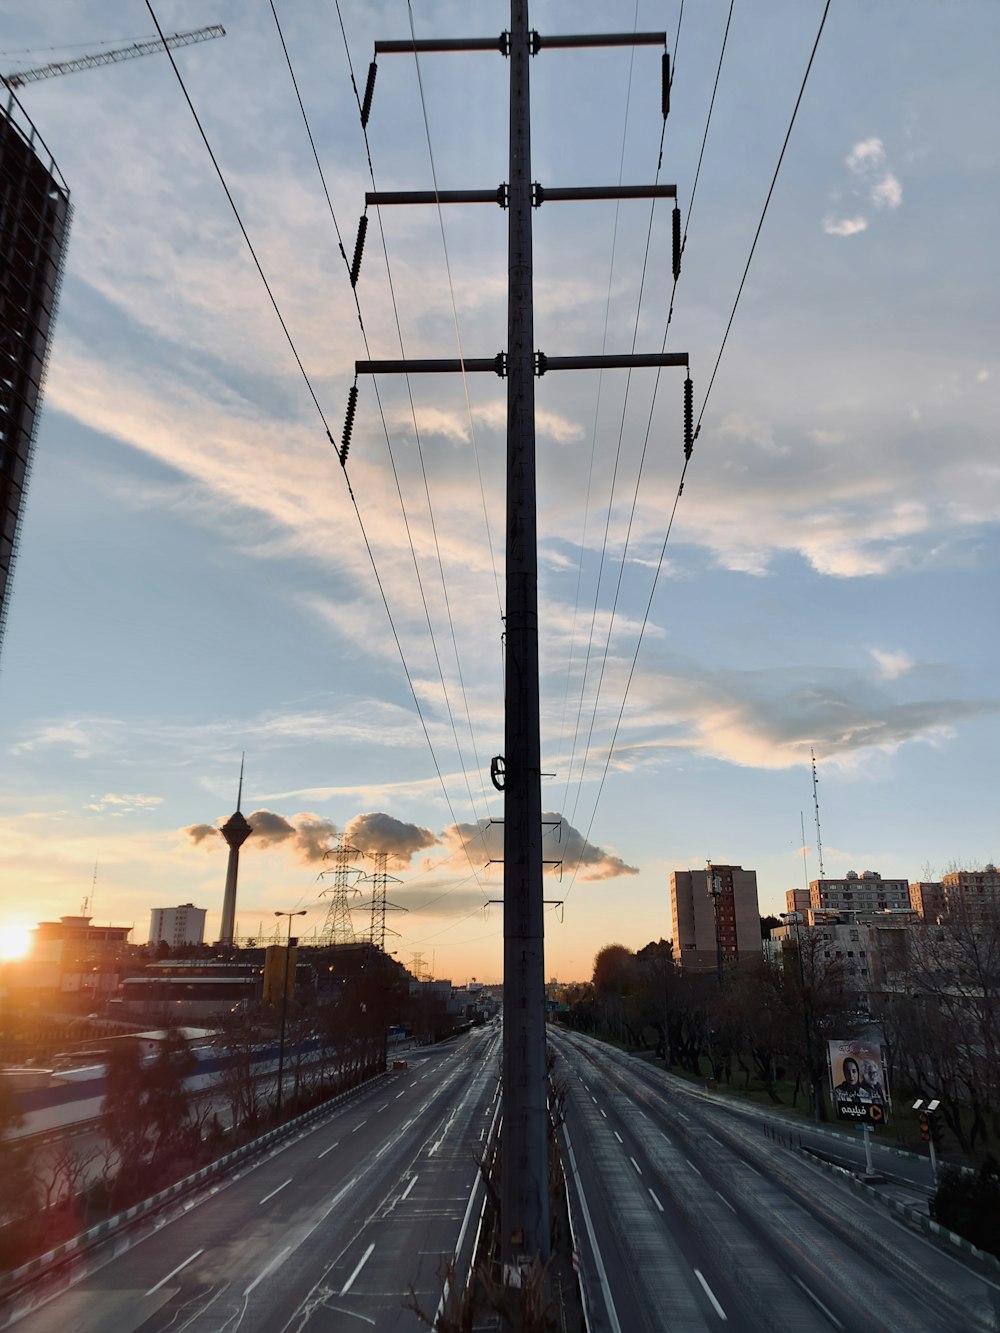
177,926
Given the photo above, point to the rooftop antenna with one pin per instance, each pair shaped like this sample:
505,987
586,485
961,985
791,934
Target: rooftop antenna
819,840
805,863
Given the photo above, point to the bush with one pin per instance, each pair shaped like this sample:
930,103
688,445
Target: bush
970,1205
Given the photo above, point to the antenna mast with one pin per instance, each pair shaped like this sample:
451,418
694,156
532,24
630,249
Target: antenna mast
819,840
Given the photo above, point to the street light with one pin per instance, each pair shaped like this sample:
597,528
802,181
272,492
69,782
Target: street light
284,1005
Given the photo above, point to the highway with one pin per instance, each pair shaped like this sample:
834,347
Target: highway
329,1231
690,1217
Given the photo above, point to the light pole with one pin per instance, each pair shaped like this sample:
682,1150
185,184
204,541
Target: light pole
284,1006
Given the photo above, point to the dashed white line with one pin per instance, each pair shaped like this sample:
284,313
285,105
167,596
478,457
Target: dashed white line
711,1296
683,1116
277,1191
593,1099
266,1272
381,1108
361,1263
405,1194
174,1271
656,1200
636,1165
618,1137
400,1094
357,1127
816,1300
326,1150
692,1166
603,1113
726,1202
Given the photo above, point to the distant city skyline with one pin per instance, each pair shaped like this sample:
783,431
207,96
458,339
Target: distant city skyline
193,582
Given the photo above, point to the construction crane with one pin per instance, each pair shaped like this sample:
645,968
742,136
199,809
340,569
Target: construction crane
147,48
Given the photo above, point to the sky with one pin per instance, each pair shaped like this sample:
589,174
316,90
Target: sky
196,582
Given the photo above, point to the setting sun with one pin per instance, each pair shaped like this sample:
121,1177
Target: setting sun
15,940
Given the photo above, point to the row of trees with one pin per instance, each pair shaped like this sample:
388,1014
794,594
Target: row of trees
935,1007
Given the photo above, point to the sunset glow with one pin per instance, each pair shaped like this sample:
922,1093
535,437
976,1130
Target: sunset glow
15,940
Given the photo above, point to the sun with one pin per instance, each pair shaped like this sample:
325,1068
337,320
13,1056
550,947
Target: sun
15,940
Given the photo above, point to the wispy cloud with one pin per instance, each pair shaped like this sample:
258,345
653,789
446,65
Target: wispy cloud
877,184
115,803
892,665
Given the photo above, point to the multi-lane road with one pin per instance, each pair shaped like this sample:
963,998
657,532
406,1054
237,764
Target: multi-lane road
690,1217
335,1229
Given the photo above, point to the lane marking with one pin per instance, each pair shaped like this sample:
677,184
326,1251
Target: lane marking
357,1127
692,1166
711,1296
381,1108
726,1202
274,1192
400,1094
361,1263
602,1275
636,1165
406,1192
813,1297
174,1271
326,1150
275,1262
593,1099
618,1137
656,1200
603,1113
751,1168
683,1116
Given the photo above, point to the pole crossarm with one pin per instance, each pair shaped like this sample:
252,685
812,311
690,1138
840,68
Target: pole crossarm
498,364
538,41
541,194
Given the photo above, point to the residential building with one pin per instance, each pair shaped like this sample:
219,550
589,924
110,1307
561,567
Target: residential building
975,892
177,926
867,892
927,897
34,226
797,900
700,900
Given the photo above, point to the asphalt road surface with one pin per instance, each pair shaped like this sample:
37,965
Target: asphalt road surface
691,1218
337,1229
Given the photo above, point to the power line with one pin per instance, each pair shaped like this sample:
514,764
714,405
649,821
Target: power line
312,394
239,221
760,224
680,488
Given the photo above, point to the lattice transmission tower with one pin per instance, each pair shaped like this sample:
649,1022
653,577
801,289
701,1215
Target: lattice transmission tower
339,925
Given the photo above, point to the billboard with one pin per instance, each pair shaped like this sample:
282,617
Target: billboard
858,1082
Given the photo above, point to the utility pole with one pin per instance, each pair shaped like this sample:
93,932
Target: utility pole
524,1184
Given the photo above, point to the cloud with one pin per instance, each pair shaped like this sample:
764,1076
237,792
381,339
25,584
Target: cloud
771,719
866,155
120,804
308,837
982,376
887,192
892,665
844,226
565,848
379,832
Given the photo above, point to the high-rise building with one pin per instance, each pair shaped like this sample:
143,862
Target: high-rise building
34,227
177,926
717,895
867,892
235,830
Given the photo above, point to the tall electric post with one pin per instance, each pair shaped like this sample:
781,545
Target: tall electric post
524,1181
524,1187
